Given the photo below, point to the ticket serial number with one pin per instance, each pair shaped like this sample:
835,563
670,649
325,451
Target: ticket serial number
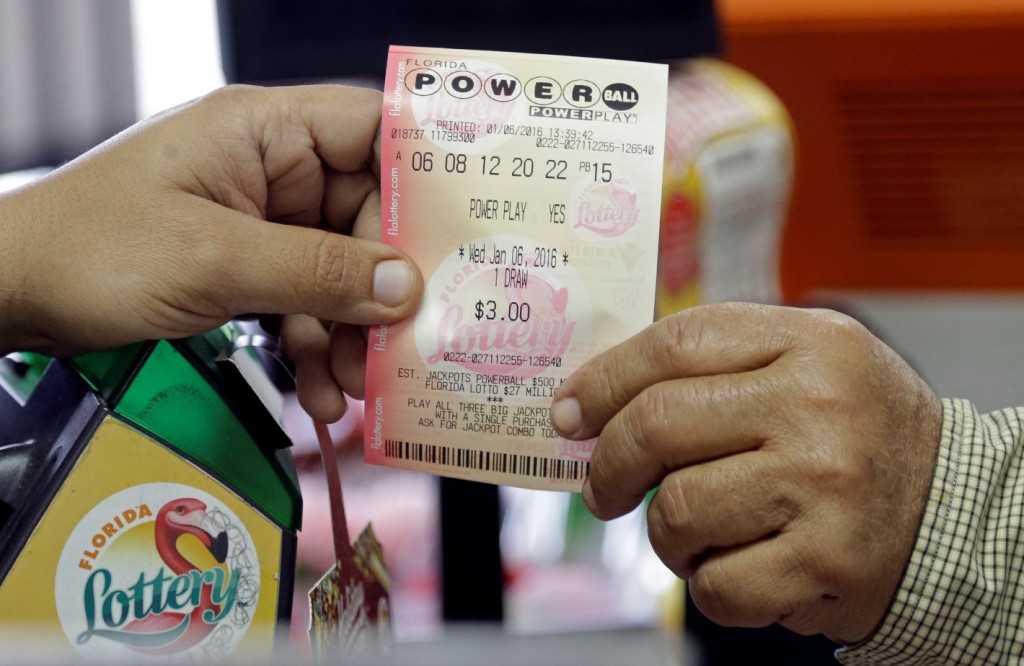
623,148
554,138
451,136
503,359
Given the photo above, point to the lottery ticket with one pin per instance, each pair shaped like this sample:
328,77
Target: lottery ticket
528,189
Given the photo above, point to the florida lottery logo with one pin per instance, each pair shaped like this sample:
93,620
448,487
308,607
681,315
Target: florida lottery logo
605,207
162,570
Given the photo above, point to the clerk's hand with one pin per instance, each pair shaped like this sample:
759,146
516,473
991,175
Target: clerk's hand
242,201
793,451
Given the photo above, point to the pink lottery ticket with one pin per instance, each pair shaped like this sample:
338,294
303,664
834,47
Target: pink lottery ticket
528,190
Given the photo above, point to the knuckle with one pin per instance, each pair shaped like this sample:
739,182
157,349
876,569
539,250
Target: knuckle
812,564
811,573
329,261
843,473
836,331
648,417
676,502
606,388
679,338
830,469
625,463
232,95
824,395
740,599
602,473
709,589
707,332
836,324
670,525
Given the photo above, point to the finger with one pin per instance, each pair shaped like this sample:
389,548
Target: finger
368,220
348,359
306,343
342,121
375,163
718,505
264,150
674,424
706,340
304,130
294,195
345,194
770,581
247,265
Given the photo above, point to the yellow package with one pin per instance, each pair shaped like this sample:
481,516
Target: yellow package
728,176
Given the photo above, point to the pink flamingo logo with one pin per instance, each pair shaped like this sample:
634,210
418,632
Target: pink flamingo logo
162,628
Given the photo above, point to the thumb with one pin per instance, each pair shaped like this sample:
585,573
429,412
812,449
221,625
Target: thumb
282,269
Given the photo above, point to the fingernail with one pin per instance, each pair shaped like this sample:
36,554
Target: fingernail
566,416
392,282
588,496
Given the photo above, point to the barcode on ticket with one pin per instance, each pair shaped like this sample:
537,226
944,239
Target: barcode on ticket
488,461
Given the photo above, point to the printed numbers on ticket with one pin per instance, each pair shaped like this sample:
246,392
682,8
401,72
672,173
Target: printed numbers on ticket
528,190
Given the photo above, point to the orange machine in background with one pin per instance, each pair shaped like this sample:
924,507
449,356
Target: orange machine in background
909,120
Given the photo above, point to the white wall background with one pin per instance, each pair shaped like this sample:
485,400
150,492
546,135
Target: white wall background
177,52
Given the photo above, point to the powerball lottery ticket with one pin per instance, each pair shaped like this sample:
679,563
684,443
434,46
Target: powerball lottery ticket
528,190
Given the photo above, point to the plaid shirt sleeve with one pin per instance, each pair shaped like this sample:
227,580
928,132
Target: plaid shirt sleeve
961,599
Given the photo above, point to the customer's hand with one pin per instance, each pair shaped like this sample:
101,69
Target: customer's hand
242,201
793,451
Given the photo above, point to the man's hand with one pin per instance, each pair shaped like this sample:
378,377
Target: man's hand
242,201
793,451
